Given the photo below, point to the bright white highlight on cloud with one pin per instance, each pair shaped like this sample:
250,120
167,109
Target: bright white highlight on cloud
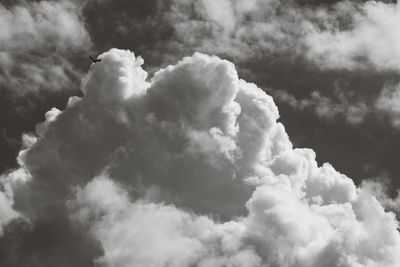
7,213
192,168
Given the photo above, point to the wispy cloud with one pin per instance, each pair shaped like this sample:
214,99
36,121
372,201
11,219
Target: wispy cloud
388,104
326,107
36,40
343,35
358,36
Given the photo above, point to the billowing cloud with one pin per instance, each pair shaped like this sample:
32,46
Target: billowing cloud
188,168
382,190
338,36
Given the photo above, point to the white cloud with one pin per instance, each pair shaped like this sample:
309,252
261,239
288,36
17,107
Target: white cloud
371,38
35,38
192,167
343,35
380,189
386,106
40,22
7,213
149,234
239,29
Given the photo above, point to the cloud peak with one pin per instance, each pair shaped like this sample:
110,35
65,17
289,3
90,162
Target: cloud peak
192,168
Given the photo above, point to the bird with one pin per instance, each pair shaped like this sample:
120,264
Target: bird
94,60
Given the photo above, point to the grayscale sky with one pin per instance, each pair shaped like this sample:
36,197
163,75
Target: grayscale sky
211,133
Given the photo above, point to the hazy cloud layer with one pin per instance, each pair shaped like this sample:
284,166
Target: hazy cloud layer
36,39
344,34
326,107
386,106
189,168
388,103
360,35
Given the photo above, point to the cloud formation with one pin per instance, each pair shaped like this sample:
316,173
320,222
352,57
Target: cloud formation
188,168
388,104
35,40
381,189
370,38
325,107
341,35
328,37
385,106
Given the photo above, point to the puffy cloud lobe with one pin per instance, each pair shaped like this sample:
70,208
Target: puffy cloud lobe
192,168
349,36
150,234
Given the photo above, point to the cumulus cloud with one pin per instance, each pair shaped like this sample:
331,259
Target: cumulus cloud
188,168
347,36
36,39
350,35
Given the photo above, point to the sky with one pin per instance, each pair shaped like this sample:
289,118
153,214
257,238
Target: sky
211,133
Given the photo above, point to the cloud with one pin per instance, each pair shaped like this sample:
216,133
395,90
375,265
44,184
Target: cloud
240,30
342,35
388,104
187,168
7,213
335,38
370,38
383,107
36,39
177,238
325,107
381,189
